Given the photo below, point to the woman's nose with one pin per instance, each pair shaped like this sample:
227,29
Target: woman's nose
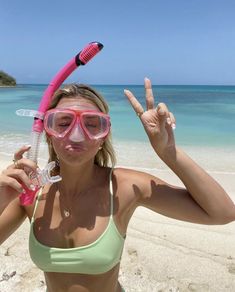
77,134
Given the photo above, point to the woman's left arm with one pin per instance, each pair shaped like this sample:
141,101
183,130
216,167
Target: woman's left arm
203,200
202,188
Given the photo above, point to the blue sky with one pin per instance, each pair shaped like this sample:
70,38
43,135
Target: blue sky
169,41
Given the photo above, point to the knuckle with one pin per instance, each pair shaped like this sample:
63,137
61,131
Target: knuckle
9,180
20,172
29,163
12,182
22,161
4,171
8,167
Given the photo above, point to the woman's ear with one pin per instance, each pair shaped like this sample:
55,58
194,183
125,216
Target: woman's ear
101,144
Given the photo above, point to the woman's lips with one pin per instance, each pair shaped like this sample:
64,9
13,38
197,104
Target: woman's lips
75,147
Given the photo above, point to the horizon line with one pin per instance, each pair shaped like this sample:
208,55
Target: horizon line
128,84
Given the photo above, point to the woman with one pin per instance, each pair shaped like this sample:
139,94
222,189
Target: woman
78,225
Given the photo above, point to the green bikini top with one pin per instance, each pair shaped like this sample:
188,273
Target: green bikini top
95,258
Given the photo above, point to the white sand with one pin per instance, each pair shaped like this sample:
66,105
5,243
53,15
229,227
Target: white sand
160,254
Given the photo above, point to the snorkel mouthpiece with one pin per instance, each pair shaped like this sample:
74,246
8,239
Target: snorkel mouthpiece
39,178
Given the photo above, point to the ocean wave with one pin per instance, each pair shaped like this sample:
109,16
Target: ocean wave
10,142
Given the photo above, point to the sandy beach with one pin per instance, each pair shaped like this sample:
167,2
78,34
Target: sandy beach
160,254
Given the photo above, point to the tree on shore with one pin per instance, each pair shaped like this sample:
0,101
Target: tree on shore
6,80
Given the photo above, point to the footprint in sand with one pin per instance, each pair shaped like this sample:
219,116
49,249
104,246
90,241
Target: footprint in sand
9,251
133,254
231,268
198,287
138,272
133,258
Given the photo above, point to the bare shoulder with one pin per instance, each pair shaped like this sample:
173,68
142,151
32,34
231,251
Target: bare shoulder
128,173
126,176
134,183
130,187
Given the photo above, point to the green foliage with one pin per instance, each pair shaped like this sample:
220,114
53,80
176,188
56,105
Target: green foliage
6,80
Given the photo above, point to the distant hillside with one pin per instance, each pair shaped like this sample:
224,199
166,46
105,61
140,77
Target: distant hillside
6,80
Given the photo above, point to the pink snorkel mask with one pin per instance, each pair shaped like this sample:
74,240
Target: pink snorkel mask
60,122
43,176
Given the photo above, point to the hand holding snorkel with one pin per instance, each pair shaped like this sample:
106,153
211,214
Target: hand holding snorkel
41,177
158,122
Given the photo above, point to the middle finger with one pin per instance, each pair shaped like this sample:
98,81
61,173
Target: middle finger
24,163
148,94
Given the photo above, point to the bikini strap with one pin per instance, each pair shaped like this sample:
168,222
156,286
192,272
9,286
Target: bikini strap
36,203
111,191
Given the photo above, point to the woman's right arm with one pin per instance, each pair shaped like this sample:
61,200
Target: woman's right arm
10,219
12,214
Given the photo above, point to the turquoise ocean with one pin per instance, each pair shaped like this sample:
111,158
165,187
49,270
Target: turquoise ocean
205,121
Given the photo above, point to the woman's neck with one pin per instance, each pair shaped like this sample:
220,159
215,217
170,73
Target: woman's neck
76,179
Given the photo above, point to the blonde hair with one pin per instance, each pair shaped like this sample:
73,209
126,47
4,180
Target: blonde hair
104,155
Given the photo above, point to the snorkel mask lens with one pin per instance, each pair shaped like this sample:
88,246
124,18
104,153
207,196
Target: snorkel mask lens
59,123
95,125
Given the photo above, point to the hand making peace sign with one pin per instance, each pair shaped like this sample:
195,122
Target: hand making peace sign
158,121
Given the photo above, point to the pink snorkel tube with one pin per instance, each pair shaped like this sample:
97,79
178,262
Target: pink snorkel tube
43,176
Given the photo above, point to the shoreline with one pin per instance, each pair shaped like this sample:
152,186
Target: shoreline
214,159
8,86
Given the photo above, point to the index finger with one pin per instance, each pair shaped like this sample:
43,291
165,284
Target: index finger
19,153
134,102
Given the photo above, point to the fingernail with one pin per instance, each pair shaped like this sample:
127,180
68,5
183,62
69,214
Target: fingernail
32,187
173,126
168,120
28,145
